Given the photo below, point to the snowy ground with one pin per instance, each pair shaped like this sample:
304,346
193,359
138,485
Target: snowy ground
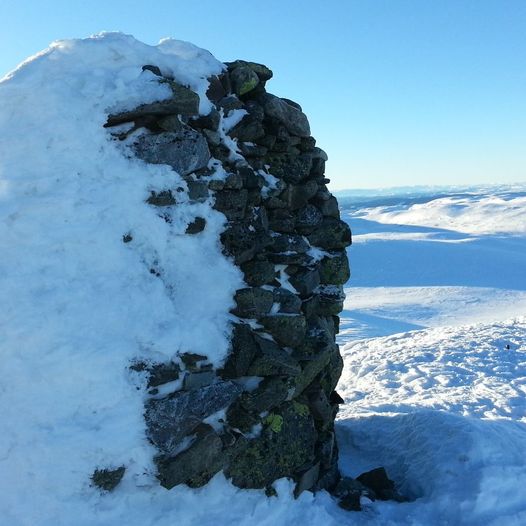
434,379
434,343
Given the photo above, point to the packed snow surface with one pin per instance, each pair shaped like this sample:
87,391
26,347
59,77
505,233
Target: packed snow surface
434,379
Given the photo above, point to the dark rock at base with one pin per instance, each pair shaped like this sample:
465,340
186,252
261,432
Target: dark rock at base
292,168
334,269
289,243
196,226
216,91
198,379
320,407
307,480
209,121
192,361
258,273
311,369
378,481
242,241
185,151
287,329
108,479
196,465
329,207
229,103
169,420
331,234
197,190
330,300
285,445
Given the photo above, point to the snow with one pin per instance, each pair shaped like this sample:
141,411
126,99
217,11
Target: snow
433,328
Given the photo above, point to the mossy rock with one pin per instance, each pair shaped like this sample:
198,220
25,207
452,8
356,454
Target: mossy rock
286,445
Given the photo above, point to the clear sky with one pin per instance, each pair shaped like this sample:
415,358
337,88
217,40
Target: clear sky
398,92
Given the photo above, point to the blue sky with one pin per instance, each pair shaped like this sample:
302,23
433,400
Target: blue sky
398,92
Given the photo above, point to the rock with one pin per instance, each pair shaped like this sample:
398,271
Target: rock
287,329
243,350
297,196
193,361
196,465
229,103
199,379
185,151
216,91
272,361
308,219
289,303
292,168
331,234
334,269
330,300
197,190
234,181
243,79
154,69
258,273
329,207
232,203
209,121
183,102
164,198
320,407
289,243
108,479
196,226
158,373
169,420
253,302
249,129
291,117
261,71
305,281
271,392
311,369
241,241
279,451
307,479
170,123
378,481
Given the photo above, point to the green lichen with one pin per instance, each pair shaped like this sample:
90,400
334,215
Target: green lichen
275,422
301,409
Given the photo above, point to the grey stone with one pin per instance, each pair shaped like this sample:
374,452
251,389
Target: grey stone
253,302
169,420
320,407
158,373
287,329
193,361
170,123
234,181
329,207
334,269
185,151
209,121
331,234
311,369
212,137
229,103
164,198
330,299
249,129
292,168
196,465
291,117
183,102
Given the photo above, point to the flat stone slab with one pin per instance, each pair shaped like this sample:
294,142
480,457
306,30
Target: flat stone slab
170,420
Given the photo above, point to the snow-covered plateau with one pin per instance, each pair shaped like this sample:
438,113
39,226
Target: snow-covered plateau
433,332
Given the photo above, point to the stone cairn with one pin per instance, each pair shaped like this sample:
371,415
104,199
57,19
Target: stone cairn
275,393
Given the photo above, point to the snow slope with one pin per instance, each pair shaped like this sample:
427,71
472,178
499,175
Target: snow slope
441,407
